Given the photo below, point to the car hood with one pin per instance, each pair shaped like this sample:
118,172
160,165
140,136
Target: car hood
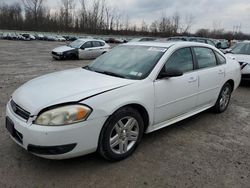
239,57
63,49
65,86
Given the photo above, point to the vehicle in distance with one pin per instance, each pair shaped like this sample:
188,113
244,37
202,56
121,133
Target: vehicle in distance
143,39
81,49
212,42
108,105
241,52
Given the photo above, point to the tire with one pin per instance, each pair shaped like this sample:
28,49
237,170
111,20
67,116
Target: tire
223,99
121,134
71,57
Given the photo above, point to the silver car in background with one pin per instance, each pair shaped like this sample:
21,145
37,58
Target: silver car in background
81,49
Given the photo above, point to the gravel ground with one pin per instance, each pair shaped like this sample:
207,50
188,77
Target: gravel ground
207,150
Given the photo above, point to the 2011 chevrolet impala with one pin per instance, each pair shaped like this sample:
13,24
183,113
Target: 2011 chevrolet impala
107,106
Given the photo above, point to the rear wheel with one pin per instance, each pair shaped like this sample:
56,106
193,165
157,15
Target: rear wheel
121,134
223,99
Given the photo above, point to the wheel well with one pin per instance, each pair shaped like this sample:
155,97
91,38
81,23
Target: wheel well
142,111
231,82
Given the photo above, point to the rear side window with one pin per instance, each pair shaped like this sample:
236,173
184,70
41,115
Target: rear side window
181,60
96,44
221,59
205,57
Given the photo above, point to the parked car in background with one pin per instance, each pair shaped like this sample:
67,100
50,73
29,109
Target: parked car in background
241,52
50,38
40,37
60,38
81,49
20,37
143,39
224,44
12,36
196,39
70,38
28,36
109,104
114,40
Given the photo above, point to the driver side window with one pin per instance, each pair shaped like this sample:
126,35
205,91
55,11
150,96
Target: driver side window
181,60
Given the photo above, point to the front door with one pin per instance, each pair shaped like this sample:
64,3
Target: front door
178,95
86,51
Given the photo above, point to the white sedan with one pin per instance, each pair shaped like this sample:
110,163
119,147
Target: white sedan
81,49
241,52
108,105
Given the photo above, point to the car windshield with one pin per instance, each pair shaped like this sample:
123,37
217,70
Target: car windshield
132,62
241,48
76,44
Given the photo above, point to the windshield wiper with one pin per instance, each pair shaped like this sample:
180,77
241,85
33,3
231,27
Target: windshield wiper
110,73
113,74
104,72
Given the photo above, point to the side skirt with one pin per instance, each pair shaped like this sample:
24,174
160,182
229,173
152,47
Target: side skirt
177,119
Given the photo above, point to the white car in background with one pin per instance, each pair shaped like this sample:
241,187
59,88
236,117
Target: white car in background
81,49
60,38
241,52
108,105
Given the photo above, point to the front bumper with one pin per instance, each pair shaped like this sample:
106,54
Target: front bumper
57,56
61,142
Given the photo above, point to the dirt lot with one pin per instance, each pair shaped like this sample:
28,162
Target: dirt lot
207,150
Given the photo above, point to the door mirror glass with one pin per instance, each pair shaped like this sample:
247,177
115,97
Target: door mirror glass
170,73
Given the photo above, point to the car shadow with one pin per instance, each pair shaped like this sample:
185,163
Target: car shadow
245,84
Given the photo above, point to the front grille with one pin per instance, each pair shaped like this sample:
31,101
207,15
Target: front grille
19,111
54,53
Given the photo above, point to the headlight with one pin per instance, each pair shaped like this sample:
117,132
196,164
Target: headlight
63,115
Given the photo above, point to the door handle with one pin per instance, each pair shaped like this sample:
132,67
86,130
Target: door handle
192,79
221,72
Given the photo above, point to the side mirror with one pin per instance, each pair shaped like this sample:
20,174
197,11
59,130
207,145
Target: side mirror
170,73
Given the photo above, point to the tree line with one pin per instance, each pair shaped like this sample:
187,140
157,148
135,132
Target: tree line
96,17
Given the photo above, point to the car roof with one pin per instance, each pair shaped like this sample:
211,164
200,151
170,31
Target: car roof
169,44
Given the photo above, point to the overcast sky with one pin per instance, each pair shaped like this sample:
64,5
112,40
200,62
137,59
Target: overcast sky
206,13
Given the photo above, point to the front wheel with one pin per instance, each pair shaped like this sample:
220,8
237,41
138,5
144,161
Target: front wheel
223,99
121,134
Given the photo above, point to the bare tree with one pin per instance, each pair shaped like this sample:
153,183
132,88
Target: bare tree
188,22
175,23
67,13
34,10
154,27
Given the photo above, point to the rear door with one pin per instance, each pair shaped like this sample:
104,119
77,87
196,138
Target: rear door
97,49
176,96
211,75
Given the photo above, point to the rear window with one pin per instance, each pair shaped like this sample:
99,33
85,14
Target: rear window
205,57
220,58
